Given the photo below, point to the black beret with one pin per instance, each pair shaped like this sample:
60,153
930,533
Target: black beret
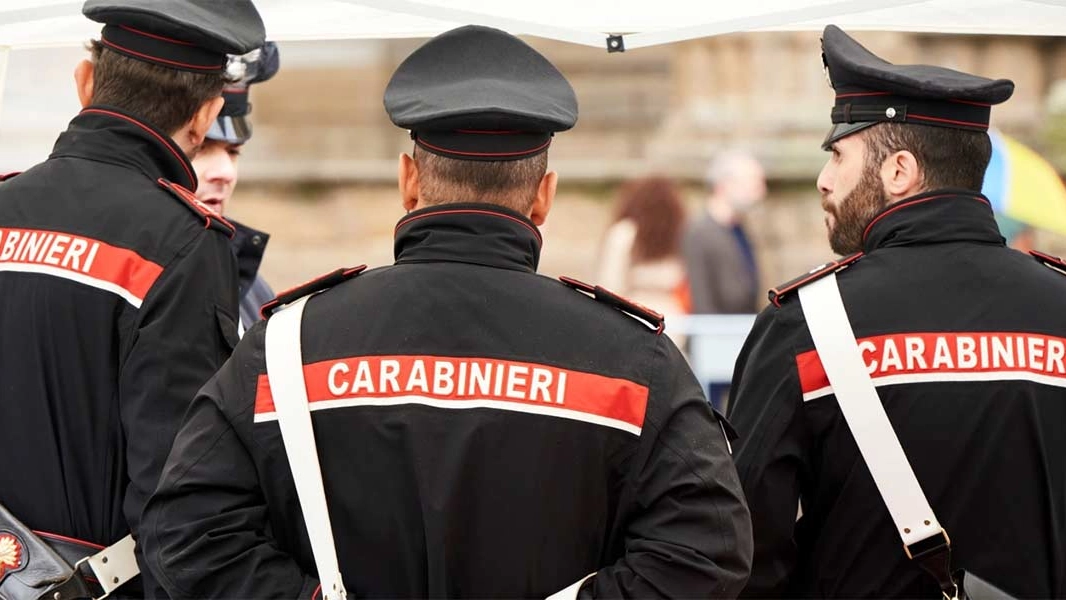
232,125
478,93
871,90
190,35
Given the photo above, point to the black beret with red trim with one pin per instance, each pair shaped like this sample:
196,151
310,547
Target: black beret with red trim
478,93
871,90
188,35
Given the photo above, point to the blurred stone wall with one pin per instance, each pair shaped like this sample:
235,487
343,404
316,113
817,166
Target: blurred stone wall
320,173
316,230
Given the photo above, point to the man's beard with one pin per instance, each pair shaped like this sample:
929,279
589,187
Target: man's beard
854,213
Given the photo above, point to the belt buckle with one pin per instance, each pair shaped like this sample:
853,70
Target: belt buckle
934,556
919,553
78,573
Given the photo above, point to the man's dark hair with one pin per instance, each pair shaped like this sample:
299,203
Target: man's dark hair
948,158
509,183
165,98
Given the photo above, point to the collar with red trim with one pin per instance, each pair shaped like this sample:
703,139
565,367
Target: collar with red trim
474,233
111,135
947,215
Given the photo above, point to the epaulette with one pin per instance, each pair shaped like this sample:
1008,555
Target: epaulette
655,320
7,176
318,284
212,220
1052,262
778,293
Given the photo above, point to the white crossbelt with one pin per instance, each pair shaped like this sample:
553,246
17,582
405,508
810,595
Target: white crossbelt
284,361
842,360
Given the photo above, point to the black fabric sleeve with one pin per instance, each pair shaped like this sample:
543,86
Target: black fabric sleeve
690,535
185,330
772,450
206,530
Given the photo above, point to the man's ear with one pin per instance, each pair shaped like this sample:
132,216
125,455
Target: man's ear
542,204
407,177
202,120
901,175
83,81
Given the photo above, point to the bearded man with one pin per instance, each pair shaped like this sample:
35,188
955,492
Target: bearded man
962,337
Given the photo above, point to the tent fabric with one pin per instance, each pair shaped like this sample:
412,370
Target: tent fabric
36,23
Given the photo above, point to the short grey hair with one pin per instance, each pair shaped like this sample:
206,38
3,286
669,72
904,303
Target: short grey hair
726,164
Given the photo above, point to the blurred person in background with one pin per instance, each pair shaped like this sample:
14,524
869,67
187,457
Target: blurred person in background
720,266
641,257
723,277
216,168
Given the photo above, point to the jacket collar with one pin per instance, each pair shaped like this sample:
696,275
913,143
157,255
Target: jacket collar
480,234
108,134
948,215
248,245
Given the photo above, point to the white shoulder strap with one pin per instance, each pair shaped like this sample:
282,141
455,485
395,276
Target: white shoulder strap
284,361
855,393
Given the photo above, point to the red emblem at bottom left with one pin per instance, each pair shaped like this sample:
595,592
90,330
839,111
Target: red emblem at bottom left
11,554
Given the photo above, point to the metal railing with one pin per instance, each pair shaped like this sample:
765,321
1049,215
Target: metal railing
714,341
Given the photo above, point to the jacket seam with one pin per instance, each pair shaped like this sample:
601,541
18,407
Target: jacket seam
163,574
719,527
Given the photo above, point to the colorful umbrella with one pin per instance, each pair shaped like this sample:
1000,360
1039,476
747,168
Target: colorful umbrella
1024,186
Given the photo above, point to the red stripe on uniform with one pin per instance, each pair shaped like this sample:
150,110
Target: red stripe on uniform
504,384
79,258
948,356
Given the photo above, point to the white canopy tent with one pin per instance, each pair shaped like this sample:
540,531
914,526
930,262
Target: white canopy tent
28,23
56,23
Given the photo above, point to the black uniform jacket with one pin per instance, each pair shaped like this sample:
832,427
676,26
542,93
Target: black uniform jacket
965,340
483,432
248,246
117,303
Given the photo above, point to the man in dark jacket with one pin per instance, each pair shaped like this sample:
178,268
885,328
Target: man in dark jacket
964,339
117,291
483,431
216,168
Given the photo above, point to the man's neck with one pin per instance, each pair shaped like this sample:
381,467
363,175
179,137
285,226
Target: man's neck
721,211
897,198
180,138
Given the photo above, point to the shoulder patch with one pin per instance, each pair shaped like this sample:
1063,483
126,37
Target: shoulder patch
780,292
655,320
211,220
318,284
7,176
1050,261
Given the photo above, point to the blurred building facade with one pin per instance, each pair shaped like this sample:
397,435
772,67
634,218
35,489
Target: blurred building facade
320,171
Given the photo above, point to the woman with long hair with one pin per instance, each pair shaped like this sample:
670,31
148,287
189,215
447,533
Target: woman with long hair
641,257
